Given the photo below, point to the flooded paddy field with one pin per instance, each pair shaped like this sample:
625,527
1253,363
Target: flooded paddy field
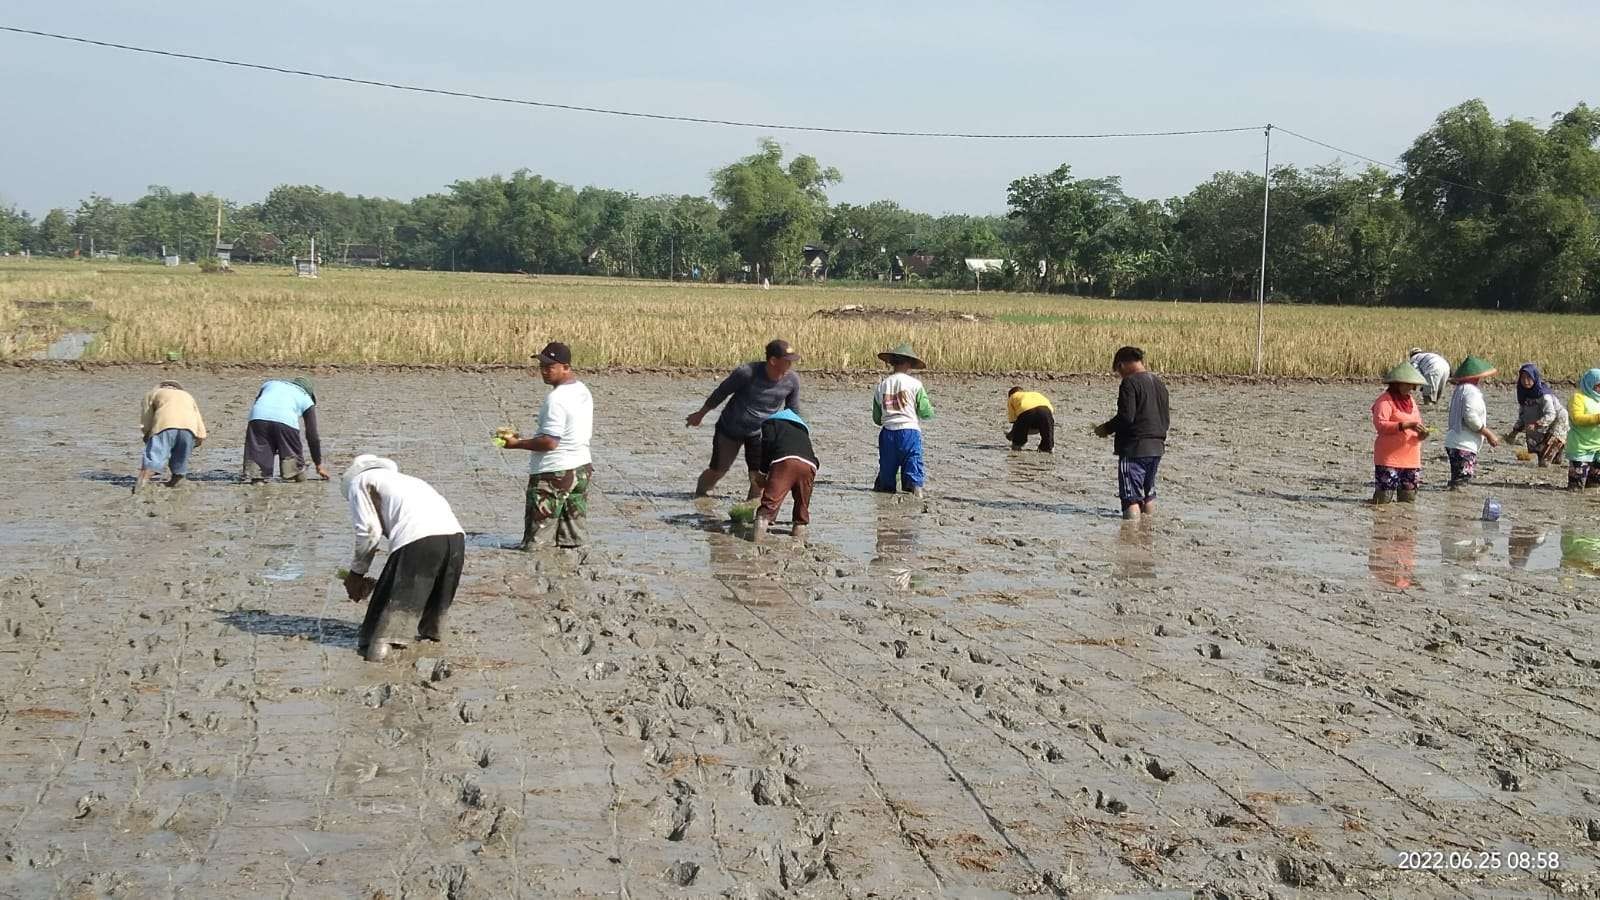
1273,688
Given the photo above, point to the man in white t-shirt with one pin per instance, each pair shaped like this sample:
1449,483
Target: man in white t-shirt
559,469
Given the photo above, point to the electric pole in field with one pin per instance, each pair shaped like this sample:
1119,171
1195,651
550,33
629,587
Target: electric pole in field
1261,286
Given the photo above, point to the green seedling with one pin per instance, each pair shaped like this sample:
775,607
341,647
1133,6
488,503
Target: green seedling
743,513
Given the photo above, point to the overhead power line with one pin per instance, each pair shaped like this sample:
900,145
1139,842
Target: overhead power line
604,111
1392,167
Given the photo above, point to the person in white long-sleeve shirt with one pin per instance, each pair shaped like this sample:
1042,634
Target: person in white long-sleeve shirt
426,550
1435,371
1469,421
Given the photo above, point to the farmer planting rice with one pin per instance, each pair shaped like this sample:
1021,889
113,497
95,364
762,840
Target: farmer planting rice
274,432
1397,451
559,469
1138,431
172,429
1583,443
788,467
1469,421
1435,371
755,391
898,405
1540,416
426,550
1029,413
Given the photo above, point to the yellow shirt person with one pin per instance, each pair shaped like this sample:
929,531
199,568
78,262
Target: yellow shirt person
1029,412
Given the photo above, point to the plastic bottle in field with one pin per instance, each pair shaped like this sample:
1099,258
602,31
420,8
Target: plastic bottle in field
1491,510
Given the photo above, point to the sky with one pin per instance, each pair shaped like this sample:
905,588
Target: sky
1365,75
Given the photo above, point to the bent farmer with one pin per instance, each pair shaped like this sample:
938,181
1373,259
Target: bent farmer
1139,431
426,551
1030,412
757,389
172,429
560,467
789,467
274,432
1435,371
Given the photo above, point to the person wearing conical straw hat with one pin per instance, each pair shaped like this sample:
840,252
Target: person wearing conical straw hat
1583,441
1469,421
899,404
1397,452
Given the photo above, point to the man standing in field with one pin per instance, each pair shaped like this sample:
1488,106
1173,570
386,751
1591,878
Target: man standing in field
1139,432
172,429
274,432
1435,371
560,468
757,389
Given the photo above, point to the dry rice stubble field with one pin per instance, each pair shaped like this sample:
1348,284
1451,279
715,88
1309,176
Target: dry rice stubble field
1003,692
266,315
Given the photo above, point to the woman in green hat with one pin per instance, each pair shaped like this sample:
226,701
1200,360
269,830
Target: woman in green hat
1469,421
1397,453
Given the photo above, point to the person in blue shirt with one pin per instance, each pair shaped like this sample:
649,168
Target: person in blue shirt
274,432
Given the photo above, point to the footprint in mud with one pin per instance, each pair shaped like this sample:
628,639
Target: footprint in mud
673,813
682,873
771,787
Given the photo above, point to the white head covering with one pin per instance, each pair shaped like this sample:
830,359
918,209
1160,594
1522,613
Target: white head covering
361,464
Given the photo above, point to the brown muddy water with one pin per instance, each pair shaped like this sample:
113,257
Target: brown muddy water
1271,689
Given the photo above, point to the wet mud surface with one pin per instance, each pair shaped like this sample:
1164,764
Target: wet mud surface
1271,689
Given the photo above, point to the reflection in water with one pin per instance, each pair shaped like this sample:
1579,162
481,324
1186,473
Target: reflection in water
1580,550
1135,556
1524,540
896,534
1462,534
1392,553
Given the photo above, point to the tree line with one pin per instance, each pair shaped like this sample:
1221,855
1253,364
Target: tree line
1480,213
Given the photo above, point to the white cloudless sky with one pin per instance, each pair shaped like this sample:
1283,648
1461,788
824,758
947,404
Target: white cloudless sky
1368,75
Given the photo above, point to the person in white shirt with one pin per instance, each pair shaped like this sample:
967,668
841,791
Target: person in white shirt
1469,421
426,552
898,405
559,470
1435,371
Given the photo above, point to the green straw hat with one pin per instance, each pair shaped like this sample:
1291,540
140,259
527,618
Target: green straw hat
902,351
1473,367
1404,373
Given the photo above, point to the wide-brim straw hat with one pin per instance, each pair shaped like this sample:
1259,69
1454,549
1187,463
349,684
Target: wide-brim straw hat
902,351
1404,373
1473,367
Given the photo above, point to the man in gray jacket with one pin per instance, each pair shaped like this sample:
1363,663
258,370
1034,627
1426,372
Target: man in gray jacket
758,389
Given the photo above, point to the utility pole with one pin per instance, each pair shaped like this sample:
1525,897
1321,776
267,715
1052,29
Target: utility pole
218,241
1261,285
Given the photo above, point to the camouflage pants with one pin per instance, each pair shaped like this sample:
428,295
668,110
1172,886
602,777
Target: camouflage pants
562,497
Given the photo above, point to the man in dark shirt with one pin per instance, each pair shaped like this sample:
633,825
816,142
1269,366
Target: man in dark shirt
758,389
1138,430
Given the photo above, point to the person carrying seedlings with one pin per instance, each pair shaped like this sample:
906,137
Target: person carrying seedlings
426,552
1541,415
1469,421
172,427
789,467
1435,371
757,389
1397,452
1583,443
1138,431
273,432
1030,412
559,471
898,405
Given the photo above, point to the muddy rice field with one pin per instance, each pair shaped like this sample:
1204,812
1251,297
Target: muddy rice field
1273,689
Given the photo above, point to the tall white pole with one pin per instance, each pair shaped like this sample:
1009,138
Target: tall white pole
1261,286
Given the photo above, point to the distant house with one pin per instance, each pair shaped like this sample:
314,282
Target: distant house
816,261
224,253
362,255
918,263
256,246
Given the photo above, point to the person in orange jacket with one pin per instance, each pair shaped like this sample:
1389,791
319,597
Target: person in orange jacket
1397,452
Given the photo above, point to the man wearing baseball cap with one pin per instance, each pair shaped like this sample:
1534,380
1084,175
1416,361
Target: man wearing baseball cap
559,469
758,389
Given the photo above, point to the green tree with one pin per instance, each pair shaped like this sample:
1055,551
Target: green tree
1059,215
55,233
16,230
770,211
